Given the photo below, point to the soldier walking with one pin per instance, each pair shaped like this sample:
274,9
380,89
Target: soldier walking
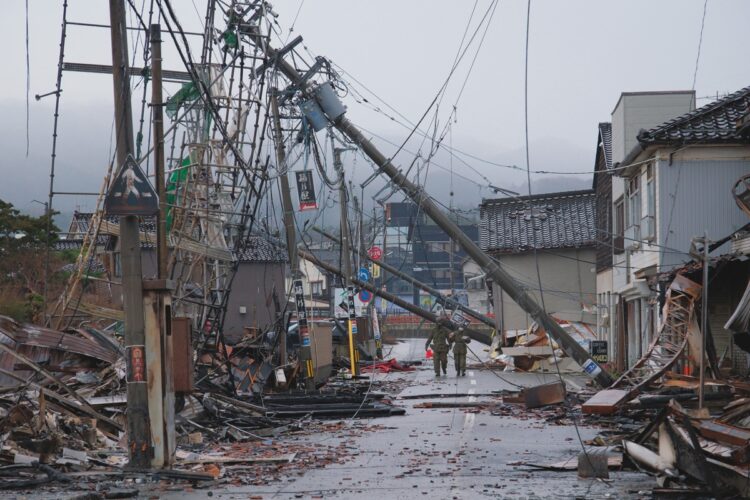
440,345
459,341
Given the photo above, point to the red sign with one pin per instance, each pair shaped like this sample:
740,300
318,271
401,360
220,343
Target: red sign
375,253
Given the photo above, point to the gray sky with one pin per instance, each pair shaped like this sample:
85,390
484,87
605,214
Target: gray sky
582,55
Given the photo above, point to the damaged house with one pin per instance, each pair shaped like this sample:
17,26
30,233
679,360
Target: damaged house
672,171
561,227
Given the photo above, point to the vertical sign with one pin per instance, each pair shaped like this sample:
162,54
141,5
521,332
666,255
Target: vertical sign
306,190
353,357
304,328
376,334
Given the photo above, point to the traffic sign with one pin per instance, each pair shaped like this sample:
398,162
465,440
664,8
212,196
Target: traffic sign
459,319
375,253
131,192
365,296
363,274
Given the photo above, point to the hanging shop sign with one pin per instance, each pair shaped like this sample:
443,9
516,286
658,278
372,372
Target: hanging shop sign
306,190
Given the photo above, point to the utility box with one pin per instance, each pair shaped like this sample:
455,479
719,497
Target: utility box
321,344
182,352
329,101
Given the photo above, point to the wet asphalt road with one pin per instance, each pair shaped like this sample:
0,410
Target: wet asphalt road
448,453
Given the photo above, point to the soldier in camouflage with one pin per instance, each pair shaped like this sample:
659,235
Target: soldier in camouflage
459,341
440,345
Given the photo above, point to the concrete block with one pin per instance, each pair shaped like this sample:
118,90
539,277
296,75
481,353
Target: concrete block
545,394
593,464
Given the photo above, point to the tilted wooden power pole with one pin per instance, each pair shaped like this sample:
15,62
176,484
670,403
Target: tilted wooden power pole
487,263
482,337
441,299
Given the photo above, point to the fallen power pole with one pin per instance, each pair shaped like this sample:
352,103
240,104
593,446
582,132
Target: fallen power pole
482,337
441,299
421,198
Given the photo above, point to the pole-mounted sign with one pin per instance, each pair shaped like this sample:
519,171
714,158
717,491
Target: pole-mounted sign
375,253
353,353
304,328
306,190
131,193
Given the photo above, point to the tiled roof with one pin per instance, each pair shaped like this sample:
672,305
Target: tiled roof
561,220
262,249
714,122
605,132
82,220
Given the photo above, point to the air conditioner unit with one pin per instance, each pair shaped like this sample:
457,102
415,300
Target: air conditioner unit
633,237
648,223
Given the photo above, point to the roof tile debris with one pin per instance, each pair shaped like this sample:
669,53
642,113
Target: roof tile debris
714,122
560,220
261,249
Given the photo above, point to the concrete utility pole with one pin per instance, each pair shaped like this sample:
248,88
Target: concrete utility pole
442,299
346,258
493,270
286,201
394,299
138,426
158,293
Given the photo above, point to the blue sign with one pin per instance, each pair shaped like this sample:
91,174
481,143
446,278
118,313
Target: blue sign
365,296
363,274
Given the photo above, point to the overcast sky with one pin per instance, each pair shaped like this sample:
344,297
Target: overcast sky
583,54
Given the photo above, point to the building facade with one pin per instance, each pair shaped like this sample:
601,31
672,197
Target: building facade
549,237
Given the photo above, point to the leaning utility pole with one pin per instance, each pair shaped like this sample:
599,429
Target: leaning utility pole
441,299
482,337
138,432
346,260
421,198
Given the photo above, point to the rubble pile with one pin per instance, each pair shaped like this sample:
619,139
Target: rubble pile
63,402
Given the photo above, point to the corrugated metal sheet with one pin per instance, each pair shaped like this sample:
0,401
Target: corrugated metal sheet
703,203
45,346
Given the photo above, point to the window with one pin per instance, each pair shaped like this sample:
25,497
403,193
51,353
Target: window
316,287
634,201
618,226
650,218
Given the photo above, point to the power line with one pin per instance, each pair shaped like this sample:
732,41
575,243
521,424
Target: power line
700,43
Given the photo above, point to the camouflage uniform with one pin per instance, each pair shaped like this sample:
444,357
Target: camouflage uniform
459,340
440,347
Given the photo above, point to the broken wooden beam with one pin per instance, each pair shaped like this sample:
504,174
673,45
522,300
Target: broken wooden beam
724,433
605,402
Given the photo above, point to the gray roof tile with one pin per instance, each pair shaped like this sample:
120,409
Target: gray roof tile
261,248
560,220
712,123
